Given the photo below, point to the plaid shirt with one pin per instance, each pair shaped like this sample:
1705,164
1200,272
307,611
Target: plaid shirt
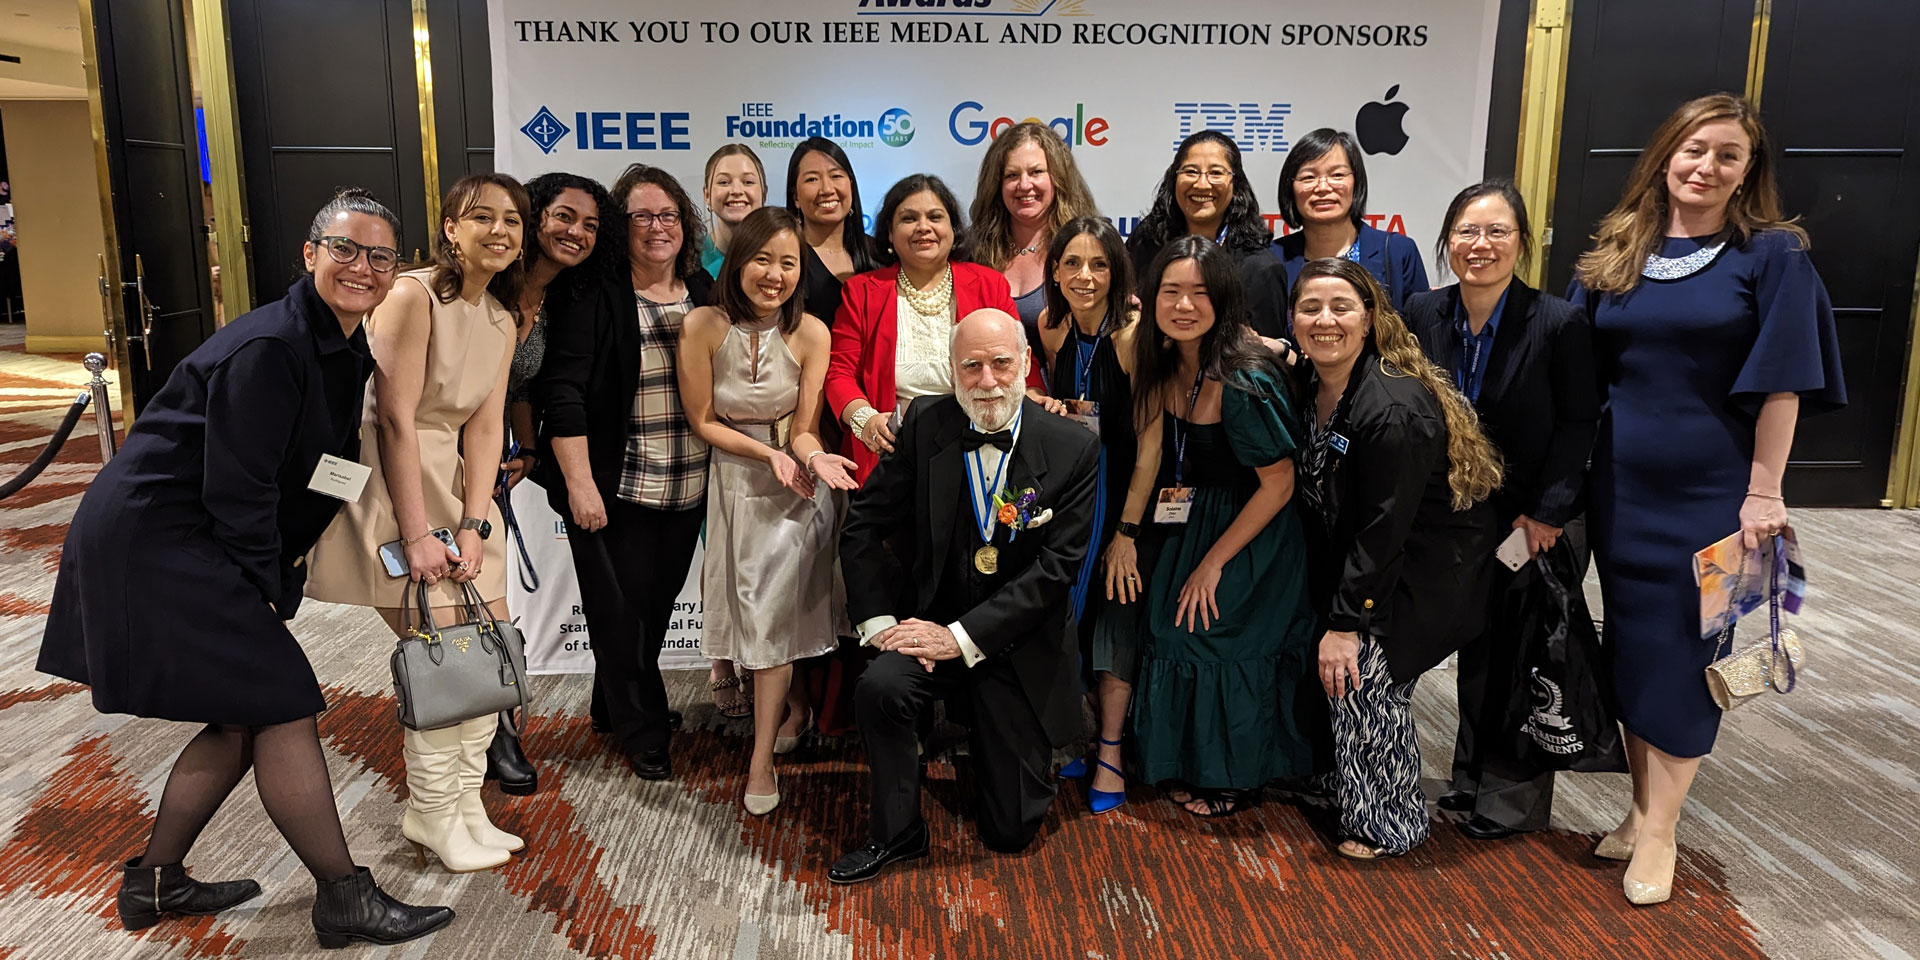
666,464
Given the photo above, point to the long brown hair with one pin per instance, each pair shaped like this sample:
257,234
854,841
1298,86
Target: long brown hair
1474,468
449,274
753,234
992,224
1638,223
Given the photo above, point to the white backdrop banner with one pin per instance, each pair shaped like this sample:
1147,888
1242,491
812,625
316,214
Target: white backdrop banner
906,86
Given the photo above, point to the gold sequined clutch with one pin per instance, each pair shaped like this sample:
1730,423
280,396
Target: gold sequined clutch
1753,670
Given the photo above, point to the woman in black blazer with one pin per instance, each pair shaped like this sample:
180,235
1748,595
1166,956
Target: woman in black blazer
633,521
1525,359
184,560
1395,469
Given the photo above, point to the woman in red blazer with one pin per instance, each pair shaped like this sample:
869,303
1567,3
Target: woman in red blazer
890,337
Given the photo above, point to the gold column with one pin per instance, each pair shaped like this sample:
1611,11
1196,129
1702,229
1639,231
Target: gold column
429,140
1542,99
1903,480
112,296
220,101
1757,49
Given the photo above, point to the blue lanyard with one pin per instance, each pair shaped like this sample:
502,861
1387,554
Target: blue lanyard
1082,368
977,475
1179,435
1469,378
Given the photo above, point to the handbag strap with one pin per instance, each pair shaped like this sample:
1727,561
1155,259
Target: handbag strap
1773,604
427,629
529,577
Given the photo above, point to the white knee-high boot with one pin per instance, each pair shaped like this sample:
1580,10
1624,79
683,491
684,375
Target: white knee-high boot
475,736
433,819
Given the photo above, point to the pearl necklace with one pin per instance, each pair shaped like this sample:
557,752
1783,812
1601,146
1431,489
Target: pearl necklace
933,301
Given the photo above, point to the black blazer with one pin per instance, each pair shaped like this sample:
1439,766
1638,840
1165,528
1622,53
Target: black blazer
1538,400
1396,560
591,372
912,499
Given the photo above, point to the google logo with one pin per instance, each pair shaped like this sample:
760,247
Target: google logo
1076,130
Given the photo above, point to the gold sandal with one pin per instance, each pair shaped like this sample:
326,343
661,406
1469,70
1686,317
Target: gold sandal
733,707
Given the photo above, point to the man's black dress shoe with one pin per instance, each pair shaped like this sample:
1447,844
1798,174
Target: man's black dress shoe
1481,828
653,766
867,862
1458,801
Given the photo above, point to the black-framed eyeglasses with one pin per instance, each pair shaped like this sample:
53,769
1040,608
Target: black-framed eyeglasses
343,250
645,218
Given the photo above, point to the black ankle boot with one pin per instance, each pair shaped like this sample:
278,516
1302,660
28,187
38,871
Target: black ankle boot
357,909
508,765
148,892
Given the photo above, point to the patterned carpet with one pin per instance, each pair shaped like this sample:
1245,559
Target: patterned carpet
1799,839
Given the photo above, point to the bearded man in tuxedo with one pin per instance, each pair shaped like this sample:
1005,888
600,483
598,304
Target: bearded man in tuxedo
987,501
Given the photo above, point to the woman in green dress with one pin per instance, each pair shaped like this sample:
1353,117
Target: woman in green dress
1218,709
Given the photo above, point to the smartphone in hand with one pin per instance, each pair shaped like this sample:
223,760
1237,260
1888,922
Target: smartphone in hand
393,554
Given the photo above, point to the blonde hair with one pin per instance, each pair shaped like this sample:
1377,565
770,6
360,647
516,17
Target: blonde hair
992,224
1474,467
1638,223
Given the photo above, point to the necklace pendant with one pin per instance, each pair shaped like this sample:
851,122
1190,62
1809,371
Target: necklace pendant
987,559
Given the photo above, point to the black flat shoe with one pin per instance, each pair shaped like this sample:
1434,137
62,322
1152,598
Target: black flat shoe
148,892
357,909
507,764
867,862
1458,801
1481,828
653,766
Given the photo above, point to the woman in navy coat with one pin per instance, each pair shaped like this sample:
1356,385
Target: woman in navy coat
184,559
1323,199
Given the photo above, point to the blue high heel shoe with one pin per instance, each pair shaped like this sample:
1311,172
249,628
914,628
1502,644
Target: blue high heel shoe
1074,769
1101,801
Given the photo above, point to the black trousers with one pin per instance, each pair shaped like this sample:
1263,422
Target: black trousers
1486,678
1009,749
630,573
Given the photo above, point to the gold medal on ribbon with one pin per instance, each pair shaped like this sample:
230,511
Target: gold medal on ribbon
987,559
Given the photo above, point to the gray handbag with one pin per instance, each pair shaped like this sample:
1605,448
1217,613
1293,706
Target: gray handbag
442,676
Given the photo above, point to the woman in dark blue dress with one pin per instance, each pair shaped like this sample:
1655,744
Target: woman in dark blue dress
1712,334
184,559
1323,199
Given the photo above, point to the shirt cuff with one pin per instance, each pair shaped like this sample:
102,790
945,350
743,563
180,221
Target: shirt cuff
969,651
872,626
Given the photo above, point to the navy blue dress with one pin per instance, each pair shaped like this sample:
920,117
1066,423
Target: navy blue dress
1392,258
1684,366
185,554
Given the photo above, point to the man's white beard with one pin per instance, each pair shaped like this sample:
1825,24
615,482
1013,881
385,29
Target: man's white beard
990,414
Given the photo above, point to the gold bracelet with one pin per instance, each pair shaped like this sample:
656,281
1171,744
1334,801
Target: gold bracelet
1766,496
408,543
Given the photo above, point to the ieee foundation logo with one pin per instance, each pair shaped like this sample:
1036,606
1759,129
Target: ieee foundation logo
760,122
546,130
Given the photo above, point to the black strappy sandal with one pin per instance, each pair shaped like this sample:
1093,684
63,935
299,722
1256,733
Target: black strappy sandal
1223,802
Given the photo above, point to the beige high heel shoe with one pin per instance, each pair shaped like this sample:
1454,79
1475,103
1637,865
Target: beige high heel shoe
761,804
475,736
433,820
1643,894
1611,847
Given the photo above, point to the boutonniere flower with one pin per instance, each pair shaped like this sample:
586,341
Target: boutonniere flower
1017,509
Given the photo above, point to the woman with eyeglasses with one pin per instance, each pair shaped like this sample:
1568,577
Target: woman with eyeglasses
183,562
1524,359
1205,193
443,349
1323,199
627,471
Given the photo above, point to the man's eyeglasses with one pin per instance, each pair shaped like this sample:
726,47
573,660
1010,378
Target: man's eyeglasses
645,218
343,250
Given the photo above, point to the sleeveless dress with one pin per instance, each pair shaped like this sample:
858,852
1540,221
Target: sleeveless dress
1219,707
465,350
768,584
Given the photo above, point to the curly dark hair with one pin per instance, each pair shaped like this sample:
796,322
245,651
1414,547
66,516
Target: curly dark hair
1246,229
609,256
692,228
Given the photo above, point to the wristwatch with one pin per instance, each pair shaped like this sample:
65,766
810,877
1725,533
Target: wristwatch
485,527
1128,530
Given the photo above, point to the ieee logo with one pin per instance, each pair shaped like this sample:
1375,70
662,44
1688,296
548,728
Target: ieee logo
546,130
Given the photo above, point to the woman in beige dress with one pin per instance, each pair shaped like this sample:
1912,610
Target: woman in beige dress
442,344
752,366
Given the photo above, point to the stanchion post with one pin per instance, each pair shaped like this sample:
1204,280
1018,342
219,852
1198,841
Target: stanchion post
96,363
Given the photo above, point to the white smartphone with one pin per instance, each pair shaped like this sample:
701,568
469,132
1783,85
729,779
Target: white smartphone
1514,551
393,554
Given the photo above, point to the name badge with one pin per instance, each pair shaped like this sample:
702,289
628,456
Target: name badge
1085,413
339,479
1338,443
1174,505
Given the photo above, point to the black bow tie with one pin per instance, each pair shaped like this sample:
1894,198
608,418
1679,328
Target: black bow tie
974,439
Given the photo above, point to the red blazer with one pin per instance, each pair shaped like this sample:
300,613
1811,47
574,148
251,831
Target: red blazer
865,336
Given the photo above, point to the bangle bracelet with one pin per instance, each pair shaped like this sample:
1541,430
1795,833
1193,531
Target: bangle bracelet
1766,496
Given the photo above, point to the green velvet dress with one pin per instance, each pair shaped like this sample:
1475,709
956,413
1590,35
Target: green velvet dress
1230,705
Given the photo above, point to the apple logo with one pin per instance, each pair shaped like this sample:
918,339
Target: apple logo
1377,125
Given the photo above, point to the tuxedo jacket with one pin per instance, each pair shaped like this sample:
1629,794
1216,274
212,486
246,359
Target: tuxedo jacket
1539,403
917,499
